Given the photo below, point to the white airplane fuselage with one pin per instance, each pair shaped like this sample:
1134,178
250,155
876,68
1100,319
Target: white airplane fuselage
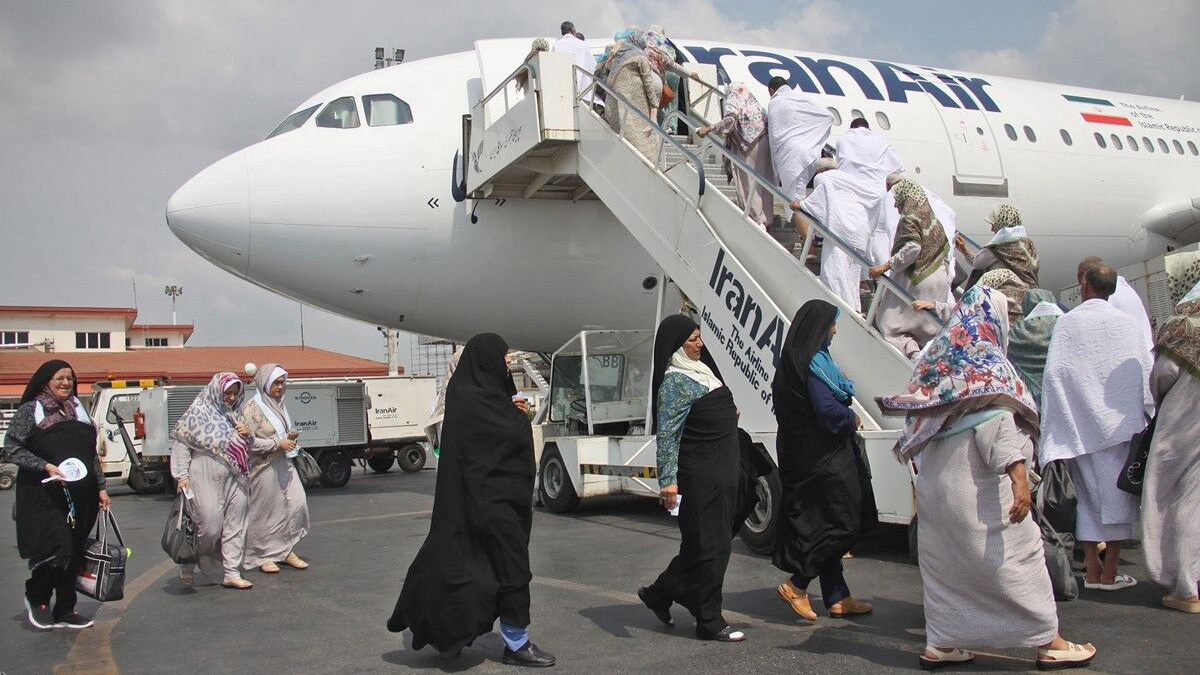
364,221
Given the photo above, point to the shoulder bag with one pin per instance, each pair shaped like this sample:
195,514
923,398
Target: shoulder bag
103,573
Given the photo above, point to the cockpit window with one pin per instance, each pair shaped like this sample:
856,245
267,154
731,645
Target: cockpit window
294,121
383,110
339,114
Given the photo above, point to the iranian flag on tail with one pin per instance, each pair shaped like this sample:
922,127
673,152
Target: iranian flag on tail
1100,114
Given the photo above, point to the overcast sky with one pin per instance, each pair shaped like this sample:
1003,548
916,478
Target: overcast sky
107,107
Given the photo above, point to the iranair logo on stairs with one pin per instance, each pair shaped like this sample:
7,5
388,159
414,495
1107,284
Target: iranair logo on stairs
753,342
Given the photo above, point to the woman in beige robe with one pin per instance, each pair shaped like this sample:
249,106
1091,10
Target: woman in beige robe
745,129
277,517
1171,492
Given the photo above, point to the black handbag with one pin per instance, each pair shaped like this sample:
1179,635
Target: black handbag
179,534
1056,500
103,573
307,468
1134,472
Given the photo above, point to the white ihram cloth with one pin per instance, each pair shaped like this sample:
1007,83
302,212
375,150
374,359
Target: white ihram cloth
578,50
864,154
1095,396
847,206
884,233
797,128
1127,300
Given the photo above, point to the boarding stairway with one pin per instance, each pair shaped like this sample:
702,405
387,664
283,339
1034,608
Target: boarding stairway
746,285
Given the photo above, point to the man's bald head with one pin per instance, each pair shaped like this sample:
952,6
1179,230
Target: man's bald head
1085,265
1099,282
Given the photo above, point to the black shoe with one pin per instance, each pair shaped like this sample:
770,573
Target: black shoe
726,634
72,620
39,615
529,656
663,613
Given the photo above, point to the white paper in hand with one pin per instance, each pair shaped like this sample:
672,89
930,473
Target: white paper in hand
71,470
675,511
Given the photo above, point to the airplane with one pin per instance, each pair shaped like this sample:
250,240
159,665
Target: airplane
353,203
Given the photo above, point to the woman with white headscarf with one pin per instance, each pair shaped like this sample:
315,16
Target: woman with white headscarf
278,508
973,423
210,459
1171,492
745,129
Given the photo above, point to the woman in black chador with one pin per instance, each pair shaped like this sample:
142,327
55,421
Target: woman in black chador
700,467
827,498
474,565
54,517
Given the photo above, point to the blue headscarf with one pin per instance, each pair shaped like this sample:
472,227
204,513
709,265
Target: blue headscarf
823,366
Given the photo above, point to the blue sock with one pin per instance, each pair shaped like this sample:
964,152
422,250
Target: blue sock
514,637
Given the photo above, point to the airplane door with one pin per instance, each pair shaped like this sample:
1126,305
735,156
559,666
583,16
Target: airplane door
978,171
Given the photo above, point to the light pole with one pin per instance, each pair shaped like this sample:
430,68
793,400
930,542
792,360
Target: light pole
173,291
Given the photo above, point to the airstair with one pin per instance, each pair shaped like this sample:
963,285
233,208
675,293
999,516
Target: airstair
546,142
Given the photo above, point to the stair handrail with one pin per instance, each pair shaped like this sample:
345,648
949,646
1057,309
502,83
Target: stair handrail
663,136
829,236
525,67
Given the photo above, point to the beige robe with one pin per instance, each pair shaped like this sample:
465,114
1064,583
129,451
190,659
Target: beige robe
1171,492
278,506
901,325
984,578
752,196
642,86
218,509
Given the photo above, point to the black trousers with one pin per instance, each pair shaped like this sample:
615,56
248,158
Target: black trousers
59,581
833,584
514,607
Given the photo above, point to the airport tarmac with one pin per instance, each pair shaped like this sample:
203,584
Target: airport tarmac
587,566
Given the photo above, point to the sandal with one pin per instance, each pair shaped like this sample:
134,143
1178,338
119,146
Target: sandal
269,568
1119,582
1074,656
850,607
796,599
1185,606
941,659
294,561
237,582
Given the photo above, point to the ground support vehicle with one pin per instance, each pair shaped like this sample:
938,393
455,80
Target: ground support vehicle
594,440
399,406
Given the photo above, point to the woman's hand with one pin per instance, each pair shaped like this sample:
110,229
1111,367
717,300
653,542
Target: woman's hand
182,485
923,304
695,76
1020,489
961,244
52,471
105,501
879,270
857,421
242,428
703,131
794,205
286,444
293,435
522,405
669,496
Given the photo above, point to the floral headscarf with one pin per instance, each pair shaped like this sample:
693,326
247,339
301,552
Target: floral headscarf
962,370
1004,215
1179,336
749,113
209,424
919,225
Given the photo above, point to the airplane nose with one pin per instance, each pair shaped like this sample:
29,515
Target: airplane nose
211,214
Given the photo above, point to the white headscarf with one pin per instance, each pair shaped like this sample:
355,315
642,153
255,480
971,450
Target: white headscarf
695,369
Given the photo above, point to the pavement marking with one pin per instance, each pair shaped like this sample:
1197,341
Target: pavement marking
91,653
377,516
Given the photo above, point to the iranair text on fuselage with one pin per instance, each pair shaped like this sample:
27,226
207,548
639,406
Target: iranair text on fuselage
818,74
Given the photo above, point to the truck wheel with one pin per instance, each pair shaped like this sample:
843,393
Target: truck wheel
758,532
6,482
412,457
380,462
147,482
554,483
912,541
335,469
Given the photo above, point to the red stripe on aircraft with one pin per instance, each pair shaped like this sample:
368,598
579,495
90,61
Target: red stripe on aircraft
1107,119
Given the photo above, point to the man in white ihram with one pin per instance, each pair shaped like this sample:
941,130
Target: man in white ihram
797,128
577,49
1095,397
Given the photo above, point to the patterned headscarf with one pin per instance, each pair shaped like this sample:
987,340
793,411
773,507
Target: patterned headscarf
208,425
539,45
962,370
1179,336
1007,282
1004,215
749,113
919,225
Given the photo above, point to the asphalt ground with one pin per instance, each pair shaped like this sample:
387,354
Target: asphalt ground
587,567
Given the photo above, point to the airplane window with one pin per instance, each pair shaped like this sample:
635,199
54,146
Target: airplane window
1066,136
1030,135
1178,146
1133,143
294,121
1162,145
1011,132
1148,143
855,114
1192,149
1100,140
884,122
837,116
339,114
1116,140
384,110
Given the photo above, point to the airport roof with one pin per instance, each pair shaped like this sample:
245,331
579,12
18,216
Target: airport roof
129,313
184,365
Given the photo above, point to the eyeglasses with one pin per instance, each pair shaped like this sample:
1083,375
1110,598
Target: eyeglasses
68,380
